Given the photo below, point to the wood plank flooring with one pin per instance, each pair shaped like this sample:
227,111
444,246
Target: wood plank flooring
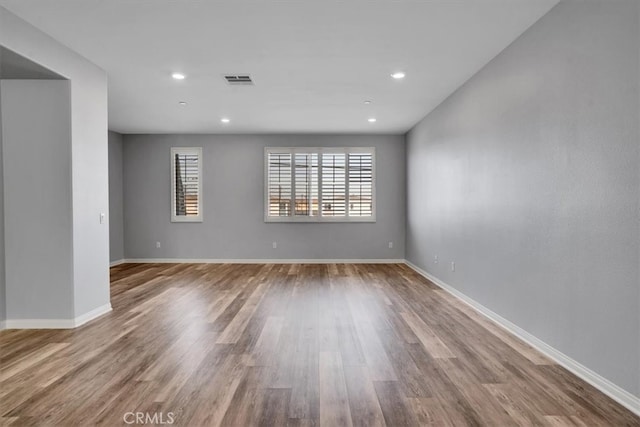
299,345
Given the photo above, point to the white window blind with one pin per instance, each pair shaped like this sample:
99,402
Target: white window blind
334,184
306,188
319,184
279,188
186,184
360,184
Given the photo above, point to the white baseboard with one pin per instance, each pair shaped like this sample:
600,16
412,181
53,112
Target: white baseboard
40,323
118,262
57,323
93,314
3,324
615,392
260,261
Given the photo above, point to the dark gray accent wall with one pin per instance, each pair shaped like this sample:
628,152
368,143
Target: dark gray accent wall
527,179
116,208
233,202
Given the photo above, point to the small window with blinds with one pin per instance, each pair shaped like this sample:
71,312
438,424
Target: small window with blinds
319,184
186,184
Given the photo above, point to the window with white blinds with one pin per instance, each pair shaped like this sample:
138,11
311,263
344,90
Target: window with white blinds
334,184
319,184
186,184
360,177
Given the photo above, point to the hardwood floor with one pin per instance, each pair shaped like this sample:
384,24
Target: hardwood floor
331,345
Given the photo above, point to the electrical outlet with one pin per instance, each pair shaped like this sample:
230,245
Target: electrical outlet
274,245
158,245
390,245
435,259
453,266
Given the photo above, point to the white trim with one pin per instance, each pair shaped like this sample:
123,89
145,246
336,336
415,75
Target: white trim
40,323
118,262
90,315
320,219
57,323
3,324
260,261
612,390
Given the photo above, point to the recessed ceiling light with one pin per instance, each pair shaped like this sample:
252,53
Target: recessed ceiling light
182,104
178,76
367,102
372,120
225,120
398,75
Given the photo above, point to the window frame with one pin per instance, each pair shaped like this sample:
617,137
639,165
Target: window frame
320,150
186,218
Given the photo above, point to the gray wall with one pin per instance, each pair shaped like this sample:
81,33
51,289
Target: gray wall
88,151
116,208
527,178
37,198
3,292
233,186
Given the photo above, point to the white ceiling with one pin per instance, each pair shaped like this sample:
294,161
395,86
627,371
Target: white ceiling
314,62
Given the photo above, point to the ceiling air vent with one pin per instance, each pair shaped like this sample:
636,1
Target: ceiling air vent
238,79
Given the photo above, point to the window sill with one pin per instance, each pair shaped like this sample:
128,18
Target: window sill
318,220
187,219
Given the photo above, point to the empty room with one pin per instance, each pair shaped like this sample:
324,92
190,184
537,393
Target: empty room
320,213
